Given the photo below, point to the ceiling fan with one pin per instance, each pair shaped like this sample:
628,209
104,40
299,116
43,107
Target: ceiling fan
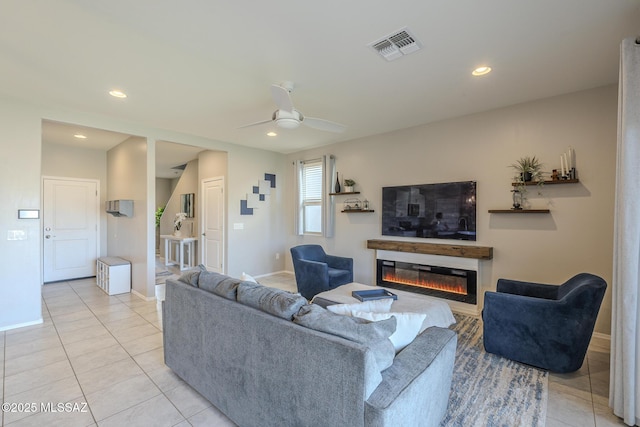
288,117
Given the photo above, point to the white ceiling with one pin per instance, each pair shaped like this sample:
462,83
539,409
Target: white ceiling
205,67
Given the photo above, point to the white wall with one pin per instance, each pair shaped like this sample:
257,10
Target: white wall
72,162
575,237
254,248
20,301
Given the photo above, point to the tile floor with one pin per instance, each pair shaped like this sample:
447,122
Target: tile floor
103,355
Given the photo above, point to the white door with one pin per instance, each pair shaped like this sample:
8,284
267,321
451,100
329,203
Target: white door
212,243
70,228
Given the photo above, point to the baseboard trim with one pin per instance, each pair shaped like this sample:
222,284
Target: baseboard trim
600,342
21,325
139,295
274,273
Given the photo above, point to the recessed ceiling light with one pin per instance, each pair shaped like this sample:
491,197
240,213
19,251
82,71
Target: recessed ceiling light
481,71
272,134
80,136
117,93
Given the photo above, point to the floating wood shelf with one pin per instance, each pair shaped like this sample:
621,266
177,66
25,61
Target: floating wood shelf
558,181
519,211
358,210
341,194
461,251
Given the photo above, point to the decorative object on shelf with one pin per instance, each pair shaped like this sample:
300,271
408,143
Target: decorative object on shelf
365,205
554,175
348,185
352,204
337,188
177,223
528,169
517,199
567,164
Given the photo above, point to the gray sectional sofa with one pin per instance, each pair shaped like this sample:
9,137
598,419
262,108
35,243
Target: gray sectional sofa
265,357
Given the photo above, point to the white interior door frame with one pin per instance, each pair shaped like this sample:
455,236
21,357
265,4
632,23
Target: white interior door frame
42,221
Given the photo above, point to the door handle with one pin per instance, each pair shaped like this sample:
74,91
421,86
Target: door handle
48,236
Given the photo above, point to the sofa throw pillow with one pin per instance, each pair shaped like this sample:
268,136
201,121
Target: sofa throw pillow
374,306
219,284
407,329
246,278
277,302
191,277
375,335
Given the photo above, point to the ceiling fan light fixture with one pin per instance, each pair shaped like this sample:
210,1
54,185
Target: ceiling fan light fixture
288,123
272,133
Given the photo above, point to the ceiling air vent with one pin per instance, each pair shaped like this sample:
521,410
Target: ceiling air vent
396,45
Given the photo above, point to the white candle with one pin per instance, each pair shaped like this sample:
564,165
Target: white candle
570,165
562,165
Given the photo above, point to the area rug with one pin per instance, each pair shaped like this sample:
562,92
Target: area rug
163,275
488,390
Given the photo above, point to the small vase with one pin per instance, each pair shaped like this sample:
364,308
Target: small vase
177,233
348,189
337,187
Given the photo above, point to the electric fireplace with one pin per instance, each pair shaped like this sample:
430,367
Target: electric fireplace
451,283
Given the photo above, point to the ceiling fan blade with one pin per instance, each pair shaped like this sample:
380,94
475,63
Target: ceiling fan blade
281,98
325,125
256,124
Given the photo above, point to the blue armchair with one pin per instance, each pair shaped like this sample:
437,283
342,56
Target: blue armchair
546,326
318,272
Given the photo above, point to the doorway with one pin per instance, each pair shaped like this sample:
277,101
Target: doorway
70,228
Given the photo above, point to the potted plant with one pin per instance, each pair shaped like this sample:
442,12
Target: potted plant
528,169
159,213
348,185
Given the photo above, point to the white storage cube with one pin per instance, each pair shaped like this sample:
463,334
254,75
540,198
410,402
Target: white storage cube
113,275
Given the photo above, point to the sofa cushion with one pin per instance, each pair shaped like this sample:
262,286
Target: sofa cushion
270,300
191,277
407,329
219,284
374,335
374,306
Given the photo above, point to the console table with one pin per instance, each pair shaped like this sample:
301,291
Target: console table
179,243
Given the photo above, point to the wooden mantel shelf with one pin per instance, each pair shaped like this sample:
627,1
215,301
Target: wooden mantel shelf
461,251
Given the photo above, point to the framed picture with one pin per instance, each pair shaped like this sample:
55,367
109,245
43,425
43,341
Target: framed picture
187,204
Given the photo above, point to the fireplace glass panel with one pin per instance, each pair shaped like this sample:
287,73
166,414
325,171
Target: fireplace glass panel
455,284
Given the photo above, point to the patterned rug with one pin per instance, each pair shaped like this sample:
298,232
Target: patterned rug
488,390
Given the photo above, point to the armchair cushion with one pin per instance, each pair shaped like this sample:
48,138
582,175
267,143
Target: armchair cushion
545,326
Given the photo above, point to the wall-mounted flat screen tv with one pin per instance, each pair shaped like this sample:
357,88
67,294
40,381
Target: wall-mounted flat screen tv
437,211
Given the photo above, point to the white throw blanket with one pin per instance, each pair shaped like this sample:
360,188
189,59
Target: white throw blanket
437,311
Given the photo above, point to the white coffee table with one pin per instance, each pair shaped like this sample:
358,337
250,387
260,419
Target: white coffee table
438,312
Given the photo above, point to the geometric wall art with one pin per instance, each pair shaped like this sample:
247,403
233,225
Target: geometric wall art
258,194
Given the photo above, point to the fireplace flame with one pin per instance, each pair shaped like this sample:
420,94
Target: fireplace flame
426,283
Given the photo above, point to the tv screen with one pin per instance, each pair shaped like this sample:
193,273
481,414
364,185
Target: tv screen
437,211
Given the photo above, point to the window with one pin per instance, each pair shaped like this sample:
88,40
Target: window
311,195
